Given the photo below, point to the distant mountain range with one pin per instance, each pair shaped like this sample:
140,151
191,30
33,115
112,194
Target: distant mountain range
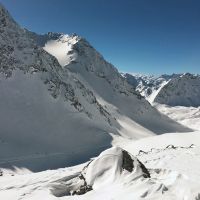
173,90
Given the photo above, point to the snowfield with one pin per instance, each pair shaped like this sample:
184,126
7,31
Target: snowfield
188,116
172,163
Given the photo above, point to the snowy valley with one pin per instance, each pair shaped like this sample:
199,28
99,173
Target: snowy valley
74,127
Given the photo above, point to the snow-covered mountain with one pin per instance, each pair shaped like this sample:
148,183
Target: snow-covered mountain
61,103
63,109
188,116
176,95
173,90
41,105
181,91
180,100
103,79
148,85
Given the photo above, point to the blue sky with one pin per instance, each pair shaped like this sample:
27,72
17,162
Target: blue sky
142,36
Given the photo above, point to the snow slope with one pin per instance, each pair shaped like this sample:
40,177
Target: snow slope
173,90
38,132
111,89
54,116
188,116
177,94
181,91
41,105
172,163
148,85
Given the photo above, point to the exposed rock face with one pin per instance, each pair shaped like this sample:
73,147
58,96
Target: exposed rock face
127,163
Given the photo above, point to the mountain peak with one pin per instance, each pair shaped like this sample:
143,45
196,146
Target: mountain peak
2,8
5,18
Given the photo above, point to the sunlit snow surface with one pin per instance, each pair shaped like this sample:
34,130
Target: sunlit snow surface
173,161
60,47
188,116
53,116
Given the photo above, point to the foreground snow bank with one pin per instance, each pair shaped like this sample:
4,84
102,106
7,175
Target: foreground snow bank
116,174
112,166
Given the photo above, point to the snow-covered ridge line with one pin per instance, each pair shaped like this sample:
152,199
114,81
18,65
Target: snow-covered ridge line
148,85
174,90
24,54
90,68
181,91
71,50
